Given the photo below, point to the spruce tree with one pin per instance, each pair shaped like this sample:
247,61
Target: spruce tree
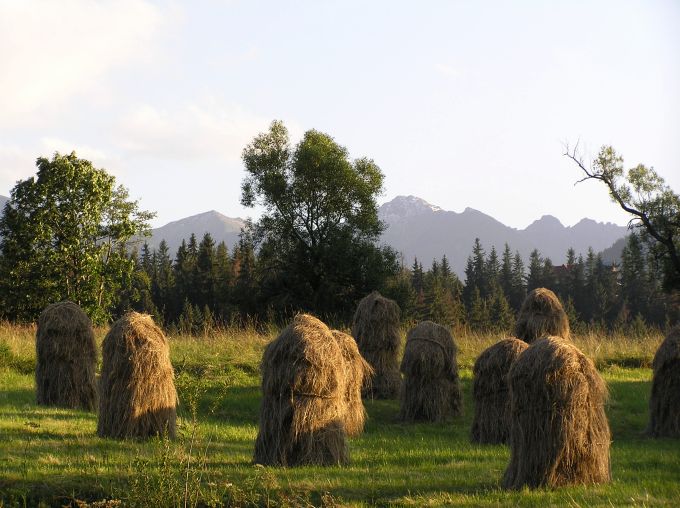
519,289
535,276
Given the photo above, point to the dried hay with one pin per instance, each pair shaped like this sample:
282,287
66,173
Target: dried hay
541,315
664,403
302,413
559,433
491,423
357,373
376,330
430,390
136,388
66,358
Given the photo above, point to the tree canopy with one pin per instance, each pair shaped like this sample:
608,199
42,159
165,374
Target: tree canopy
654,207
320,222
64,235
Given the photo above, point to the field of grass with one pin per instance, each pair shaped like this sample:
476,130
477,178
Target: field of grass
53,457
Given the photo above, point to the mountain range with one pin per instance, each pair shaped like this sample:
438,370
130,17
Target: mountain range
419,229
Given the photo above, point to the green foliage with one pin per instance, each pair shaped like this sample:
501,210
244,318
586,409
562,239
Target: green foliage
63,236
320,223
654,207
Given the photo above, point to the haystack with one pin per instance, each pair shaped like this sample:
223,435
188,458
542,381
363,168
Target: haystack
66,358
303,409
491,423
376,330
541,315
430,390
664,403
559,433
137,397
357,373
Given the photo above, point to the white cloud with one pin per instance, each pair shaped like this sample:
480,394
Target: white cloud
18,162
447,70
51,51
207,129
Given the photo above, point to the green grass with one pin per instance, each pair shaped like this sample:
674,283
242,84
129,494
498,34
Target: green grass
52,456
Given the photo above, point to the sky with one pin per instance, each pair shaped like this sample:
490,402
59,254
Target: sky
461,103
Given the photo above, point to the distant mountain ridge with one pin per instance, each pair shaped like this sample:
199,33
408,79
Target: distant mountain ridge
3,200
419,229
221,228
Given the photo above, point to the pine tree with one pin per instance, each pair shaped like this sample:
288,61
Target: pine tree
417,277
445,268
505,276
204,278
244,287
501,315
635,291
223,282
492,269
519,289
548,276
535,276
163,286
474,273
478,316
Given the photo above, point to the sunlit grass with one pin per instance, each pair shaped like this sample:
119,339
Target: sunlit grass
53,455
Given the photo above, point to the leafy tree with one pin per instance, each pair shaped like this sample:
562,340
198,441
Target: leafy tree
63,235
320,223
641,192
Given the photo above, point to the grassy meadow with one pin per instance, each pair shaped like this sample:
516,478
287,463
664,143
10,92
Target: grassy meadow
52,457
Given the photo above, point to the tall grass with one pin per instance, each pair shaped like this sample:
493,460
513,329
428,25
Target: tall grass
53,455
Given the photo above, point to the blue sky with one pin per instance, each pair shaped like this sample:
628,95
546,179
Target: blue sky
460,103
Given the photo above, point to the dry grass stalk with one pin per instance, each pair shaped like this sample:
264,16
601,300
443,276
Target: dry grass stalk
303,408
664,403
430,390
66,358
376,330
357,373
137,387
491,423
559,433
541,315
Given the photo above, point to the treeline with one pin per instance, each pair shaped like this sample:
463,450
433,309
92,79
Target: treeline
626,297
206,285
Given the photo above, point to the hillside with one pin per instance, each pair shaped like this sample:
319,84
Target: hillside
221,228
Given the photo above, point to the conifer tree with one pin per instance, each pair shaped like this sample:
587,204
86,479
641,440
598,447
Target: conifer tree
492,269
163,286
478,316
501,316
519,289
535,276
205,273
474,273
